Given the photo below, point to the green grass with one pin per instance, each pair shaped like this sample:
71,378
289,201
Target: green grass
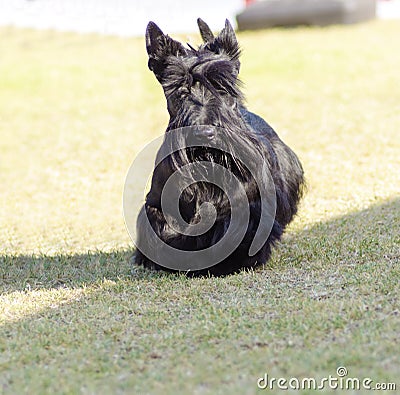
74,315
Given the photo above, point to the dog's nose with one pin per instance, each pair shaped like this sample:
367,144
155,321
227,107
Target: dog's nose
204,134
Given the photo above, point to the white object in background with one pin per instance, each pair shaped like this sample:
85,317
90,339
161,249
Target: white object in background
119,17
388,9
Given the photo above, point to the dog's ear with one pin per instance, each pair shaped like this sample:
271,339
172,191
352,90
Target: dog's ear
226,42
205,31
153,37
159,46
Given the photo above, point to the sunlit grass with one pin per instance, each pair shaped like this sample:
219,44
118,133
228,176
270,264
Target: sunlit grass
75,317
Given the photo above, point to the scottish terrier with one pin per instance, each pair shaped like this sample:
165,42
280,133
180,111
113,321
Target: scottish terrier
213,130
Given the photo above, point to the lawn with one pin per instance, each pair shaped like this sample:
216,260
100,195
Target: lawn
75,317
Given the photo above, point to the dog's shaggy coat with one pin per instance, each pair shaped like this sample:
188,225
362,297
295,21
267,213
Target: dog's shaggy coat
202,89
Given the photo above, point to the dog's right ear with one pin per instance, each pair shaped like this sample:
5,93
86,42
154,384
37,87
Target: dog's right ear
159,46
153,38
205,31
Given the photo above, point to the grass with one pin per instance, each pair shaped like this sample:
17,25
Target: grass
76,318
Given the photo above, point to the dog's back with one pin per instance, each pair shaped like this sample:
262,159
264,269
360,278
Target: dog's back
288,174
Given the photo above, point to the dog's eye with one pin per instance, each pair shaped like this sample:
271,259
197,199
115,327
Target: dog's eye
175,98
224,86
218,87
172,106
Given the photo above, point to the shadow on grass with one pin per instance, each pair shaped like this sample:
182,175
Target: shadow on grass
366,236
143,322
358,237
24,272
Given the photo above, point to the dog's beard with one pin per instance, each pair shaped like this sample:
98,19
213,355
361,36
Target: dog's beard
200,191
207,154
215,156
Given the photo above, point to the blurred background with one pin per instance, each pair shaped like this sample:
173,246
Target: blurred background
121,17
129,17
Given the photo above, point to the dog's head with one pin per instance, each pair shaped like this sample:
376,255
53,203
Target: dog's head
201,85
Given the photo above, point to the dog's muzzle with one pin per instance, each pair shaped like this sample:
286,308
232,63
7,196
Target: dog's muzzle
204,134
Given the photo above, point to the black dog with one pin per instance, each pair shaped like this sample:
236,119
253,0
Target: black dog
202,91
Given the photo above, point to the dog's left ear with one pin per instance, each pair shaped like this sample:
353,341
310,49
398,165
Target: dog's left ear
226,42
159,46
